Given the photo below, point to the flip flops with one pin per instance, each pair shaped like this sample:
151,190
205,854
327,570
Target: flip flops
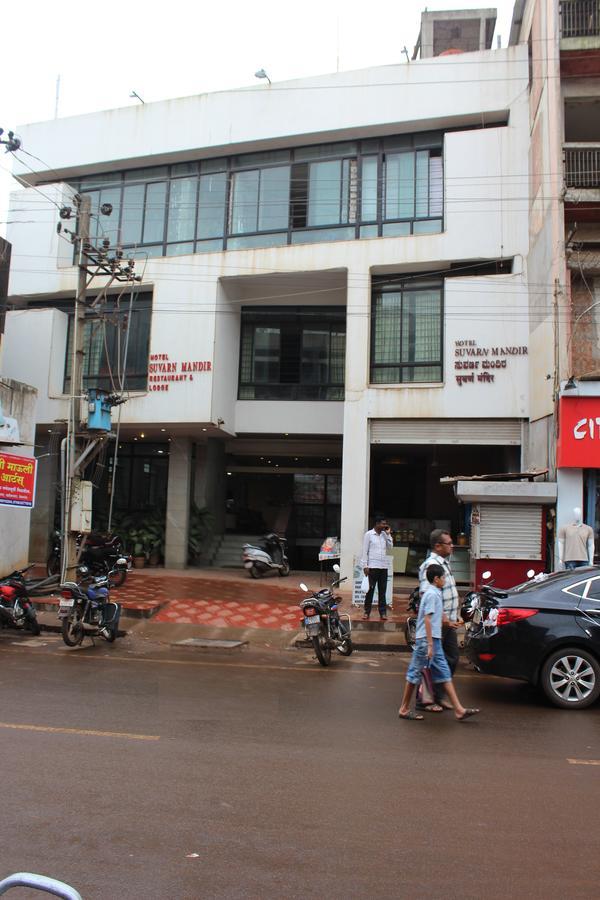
467,714
411,716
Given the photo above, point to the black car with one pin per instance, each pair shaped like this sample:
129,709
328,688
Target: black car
545,631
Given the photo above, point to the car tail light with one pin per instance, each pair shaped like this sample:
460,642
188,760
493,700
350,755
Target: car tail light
66,594
509,614
486,657
309,611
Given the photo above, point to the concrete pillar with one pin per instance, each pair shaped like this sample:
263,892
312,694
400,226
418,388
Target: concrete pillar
42,514
178,504
210,480
356,451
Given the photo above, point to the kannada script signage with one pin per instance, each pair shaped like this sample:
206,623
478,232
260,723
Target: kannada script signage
579,433
17,480
473,363
163,372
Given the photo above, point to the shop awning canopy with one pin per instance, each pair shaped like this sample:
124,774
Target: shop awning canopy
500,476
485,490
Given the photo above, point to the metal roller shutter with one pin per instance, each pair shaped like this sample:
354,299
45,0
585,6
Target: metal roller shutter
509,531
446,431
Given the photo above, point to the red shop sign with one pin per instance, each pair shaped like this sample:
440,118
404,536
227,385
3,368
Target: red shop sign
579,433
17,480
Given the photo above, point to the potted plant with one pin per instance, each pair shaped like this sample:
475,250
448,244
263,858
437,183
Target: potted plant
201,528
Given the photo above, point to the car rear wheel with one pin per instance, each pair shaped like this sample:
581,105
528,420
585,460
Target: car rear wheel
571,678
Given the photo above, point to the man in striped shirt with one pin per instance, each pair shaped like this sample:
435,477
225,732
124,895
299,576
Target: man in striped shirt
441,549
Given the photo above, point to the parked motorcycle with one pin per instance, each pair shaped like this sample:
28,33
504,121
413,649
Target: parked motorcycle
86,610
271,556
102,554
479,607
16,607
324,626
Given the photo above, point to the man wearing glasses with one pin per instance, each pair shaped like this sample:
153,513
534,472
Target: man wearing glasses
441,549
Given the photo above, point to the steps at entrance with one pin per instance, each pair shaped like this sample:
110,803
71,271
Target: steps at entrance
229,553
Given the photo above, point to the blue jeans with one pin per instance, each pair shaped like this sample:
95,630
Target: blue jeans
576,563
440,670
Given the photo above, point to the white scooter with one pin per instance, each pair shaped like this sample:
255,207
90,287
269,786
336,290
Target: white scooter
269,558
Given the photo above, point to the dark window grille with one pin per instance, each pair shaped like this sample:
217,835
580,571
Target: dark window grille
579,18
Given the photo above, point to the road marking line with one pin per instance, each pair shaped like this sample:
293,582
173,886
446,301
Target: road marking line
85,731
584,762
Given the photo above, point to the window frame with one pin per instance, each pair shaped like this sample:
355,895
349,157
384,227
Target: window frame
379,289
296,320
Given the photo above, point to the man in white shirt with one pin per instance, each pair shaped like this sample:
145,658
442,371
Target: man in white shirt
376,544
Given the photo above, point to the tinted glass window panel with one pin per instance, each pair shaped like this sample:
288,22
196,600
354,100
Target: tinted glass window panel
257,240
324,150
369,189
180,249
399,186
149,174
266,355
309,488
154,221
274,199
427,226
133,214
323,234
182,209
211,212
244,211
594,590
315,357
338,357
324,193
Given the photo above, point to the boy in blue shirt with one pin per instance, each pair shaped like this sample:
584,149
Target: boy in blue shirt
428,649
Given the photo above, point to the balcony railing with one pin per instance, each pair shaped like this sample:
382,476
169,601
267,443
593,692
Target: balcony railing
579,18
582,165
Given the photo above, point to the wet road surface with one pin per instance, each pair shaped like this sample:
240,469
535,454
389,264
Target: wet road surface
145,772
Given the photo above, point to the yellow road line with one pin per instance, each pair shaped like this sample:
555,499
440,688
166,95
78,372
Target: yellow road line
85,731
584,762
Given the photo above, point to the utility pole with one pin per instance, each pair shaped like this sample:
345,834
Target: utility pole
69,561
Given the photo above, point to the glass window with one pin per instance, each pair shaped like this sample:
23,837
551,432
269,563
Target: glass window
244,206
369,189
260,200
309,488
104,364
297,354
133,214
154,219
182,209
324,193
407,335
151,173
211,212
400,186
594,590
266,355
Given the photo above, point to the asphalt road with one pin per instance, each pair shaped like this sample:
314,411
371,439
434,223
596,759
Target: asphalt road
149,773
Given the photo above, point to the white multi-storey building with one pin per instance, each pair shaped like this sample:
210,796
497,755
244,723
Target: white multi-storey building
334,307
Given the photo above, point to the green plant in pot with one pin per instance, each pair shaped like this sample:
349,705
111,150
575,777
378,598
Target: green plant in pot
201,528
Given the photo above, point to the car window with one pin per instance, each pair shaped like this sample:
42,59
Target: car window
577,589
558,579
594,590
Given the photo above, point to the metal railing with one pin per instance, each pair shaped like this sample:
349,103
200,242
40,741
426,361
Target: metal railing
582,165
579,18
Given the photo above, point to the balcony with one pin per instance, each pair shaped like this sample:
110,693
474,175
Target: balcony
579,18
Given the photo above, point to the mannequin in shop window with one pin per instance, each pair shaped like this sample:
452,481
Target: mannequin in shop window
576,543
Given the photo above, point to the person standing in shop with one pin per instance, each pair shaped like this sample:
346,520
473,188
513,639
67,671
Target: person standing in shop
441,549
376,543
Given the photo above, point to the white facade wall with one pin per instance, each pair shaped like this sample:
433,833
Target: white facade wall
196,299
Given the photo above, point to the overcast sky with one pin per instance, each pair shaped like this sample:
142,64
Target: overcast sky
104,51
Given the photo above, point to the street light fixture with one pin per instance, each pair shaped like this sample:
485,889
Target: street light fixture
262,74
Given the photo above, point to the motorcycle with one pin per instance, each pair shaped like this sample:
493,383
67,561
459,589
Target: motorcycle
85,610
479,608
16,608
102,554
269,557
324,626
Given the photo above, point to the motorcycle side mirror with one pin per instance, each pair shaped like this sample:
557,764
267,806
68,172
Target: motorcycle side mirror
303,587
530,573
485,575
336,568
122,563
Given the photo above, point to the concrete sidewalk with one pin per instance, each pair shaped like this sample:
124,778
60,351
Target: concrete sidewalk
226,604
